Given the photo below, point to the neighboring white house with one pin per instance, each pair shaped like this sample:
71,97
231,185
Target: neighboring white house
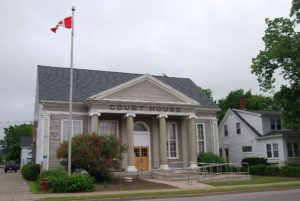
26,150
246,133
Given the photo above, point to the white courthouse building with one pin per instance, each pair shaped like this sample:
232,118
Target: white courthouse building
164,121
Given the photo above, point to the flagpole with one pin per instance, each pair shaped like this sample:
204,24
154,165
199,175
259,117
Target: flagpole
70,96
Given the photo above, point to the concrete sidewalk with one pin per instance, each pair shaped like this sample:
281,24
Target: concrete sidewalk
14,187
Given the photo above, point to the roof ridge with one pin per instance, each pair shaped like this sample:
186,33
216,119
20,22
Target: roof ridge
84,69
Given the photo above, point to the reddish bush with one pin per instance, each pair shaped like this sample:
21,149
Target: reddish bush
98,155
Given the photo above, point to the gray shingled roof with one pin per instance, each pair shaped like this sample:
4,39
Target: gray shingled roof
25,141
265,113
281,132
53,83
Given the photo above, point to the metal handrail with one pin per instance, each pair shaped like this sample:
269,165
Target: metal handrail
212,168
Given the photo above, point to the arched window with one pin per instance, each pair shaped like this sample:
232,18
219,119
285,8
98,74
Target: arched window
140,127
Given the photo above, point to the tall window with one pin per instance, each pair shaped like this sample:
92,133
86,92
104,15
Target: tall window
108,128
77,129
278,124
272,122
238,128
225,130
200,141
293,149
272,150
172,140
275,150
269,151
290,149
275,123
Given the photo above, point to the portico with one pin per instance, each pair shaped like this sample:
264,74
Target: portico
158,134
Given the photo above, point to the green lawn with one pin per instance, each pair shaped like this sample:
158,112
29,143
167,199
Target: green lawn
180,192
254,180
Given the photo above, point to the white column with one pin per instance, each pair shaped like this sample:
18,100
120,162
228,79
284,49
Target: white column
130,141
163,142
94,122
216,137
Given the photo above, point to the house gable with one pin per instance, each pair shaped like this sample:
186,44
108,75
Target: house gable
234,113
145,88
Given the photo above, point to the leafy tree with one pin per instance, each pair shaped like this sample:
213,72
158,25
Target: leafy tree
208,92
98,155
11,142
253,102
282,54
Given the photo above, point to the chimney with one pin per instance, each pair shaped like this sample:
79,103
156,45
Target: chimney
243,103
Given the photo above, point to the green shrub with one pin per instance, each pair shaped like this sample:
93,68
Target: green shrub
272,170
258,169
209,157
30,171
53,173
292,171
254,161
72,183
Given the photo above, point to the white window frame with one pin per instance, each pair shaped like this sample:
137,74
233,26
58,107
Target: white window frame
110,121
197,140
272,150
168,141
247,152
62,128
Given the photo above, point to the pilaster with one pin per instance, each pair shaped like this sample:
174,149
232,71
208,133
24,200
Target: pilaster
192,138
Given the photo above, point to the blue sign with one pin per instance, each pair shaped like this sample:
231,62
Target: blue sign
45,156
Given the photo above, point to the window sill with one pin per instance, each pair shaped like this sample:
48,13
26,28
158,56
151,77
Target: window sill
172,158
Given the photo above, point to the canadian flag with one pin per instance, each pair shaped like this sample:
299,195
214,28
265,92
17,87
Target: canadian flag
67,23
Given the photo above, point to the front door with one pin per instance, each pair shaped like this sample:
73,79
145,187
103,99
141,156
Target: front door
227,155
141,159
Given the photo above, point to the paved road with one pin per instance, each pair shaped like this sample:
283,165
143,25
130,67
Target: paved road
282,195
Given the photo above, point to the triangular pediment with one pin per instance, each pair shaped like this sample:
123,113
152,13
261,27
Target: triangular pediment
144,89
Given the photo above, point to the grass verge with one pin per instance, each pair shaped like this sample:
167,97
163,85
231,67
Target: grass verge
181,192
254,180
33,186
